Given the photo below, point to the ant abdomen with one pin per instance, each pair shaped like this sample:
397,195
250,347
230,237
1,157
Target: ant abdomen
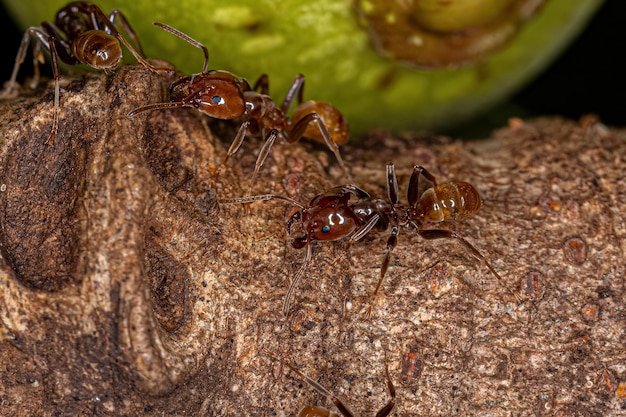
316,411
335,121
449,201
97,49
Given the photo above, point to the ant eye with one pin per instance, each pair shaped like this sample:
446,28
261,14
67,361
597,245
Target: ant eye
325,228
217,100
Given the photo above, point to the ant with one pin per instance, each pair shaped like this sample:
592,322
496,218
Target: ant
316,411
222,95
350,212
81,34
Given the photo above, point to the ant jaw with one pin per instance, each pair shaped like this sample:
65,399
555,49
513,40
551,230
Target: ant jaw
295,217
299,242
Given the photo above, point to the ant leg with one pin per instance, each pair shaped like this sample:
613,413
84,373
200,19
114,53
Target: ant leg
234,146
299,129
123,22
262,85
358,235
57,76
38,59
356,191
19,60
265,149
297,88
384,412
420,181
391,243
315,410
447,234
267,197
296,279
392,183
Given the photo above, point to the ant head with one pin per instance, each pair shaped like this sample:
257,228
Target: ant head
97,49
217,94
331,222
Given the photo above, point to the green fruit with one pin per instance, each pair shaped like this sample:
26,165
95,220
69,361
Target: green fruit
328,43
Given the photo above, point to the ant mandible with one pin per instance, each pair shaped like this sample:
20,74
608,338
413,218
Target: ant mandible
335,215
225,96
81,34
317,411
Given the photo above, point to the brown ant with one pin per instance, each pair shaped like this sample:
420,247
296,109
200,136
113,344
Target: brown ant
81,34
317,411
225,96
350,212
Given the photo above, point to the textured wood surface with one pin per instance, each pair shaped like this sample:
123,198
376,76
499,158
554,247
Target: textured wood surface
128,290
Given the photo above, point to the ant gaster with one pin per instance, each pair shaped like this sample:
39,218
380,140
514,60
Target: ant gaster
81,34
317,411
225,96
350,212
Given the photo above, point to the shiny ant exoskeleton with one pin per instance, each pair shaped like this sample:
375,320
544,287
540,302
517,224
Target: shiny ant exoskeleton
222,95
350,212
317,411
81,34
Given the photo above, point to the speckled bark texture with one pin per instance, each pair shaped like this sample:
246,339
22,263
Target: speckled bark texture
126,289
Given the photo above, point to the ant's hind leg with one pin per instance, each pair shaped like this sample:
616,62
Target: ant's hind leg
312,125
310,410
386,410
447,234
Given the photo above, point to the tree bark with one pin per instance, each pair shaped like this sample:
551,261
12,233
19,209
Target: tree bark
128,289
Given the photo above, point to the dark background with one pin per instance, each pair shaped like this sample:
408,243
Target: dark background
589,77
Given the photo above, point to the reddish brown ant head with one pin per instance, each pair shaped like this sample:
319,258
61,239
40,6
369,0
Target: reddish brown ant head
329,223
329,216
217,94
98,49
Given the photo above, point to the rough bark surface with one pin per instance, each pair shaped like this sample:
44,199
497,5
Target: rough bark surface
128,290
